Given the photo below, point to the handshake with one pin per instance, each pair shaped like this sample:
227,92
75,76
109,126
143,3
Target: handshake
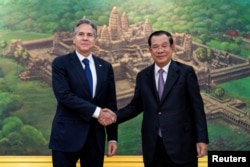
106,117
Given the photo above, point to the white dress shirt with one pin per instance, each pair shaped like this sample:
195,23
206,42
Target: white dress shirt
94,77
165,73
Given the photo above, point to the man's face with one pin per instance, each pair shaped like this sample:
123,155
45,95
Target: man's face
160,50
84,39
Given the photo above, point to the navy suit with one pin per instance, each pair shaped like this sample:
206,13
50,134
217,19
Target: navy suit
179,113
73,122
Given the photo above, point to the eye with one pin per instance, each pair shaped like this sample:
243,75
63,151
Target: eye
80,34
90,35
155,47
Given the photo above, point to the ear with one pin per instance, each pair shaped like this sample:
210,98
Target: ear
173,46
149,49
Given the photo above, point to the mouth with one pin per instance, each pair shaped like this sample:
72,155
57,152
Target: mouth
160,57
84,44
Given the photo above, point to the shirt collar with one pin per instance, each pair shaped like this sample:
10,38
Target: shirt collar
165,68
81,57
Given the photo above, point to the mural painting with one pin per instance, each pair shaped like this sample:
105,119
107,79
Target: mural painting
213,37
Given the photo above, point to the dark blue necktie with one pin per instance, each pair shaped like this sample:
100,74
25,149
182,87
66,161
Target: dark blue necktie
88,75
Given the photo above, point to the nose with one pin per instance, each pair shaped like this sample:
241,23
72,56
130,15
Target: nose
85,37
160,49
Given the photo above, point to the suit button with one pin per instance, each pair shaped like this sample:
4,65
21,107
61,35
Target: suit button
159,113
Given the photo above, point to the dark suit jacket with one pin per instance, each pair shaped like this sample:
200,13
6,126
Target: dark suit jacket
75,106
180,113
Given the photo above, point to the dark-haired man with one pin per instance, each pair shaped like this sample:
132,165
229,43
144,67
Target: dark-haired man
174,129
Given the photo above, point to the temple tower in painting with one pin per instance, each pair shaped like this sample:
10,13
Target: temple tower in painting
115,25
125,22
147,28
105,36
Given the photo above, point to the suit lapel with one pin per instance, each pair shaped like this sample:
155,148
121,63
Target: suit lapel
171,79
77,67
99,74
151,82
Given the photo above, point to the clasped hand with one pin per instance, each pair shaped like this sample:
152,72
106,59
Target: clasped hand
106,117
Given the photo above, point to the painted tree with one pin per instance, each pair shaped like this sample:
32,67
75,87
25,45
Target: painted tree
201,54
3,45
219,92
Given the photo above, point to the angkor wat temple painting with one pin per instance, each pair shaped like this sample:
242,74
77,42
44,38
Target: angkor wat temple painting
124,44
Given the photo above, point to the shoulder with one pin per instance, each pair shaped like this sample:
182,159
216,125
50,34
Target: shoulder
181,66
146,71
101,61
65,57
64,60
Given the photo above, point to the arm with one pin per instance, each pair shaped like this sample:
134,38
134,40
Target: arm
197,105
112,130
134,108
198,114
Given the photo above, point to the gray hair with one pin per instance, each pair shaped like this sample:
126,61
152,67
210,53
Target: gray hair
85,21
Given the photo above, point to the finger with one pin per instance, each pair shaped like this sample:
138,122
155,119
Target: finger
107,110
102,122
111,149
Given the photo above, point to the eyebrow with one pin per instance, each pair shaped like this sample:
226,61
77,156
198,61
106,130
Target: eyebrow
164,43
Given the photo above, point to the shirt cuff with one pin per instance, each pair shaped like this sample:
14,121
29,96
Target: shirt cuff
113,141
97,112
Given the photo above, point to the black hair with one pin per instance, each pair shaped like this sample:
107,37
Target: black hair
160,32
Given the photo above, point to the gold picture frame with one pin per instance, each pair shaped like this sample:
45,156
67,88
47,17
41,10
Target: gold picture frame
46,161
